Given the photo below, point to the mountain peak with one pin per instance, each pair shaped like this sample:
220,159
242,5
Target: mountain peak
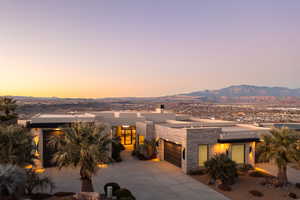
247,90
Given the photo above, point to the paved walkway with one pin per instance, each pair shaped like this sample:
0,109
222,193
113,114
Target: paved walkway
293,174
148,180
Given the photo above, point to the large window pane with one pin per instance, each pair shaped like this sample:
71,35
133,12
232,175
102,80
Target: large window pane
238,153
203,154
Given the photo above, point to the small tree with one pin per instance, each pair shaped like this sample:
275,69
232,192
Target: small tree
221,167
82,145
282,147
16,146
37,182
12,180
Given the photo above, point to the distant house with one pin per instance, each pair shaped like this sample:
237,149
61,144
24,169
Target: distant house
184,141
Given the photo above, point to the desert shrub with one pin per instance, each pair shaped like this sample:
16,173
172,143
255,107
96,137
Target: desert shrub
115,188
256,193
224,187
292,195
221,167
36,181
147,150
198,172
298,185
124,193
245,168
117,148
12,180
257,174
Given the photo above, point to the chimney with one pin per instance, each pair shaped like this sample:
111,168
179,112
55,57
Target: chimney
162,108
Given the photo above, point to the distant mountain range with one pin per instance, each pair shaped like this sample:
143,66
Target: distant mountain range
232,94
247,91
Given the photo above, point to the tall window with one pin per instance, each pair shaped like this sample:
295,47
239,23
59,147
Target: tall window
203,154
238,153
141,139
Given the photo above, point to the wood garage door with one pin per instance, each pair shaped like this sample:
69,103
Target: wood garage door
172,153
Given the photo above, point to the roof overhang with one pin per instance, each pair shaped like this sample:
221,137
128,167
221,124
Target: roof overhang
238,140
47,125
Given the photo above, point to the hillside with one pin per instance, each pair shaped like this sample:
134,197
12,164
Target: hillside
247,91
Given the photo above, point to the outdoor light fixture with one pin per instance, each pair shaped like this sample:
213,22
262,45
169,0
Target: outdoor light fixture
125,126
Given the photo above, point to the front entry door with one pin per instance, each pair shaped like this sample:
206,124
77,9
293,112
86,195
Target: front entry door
127,136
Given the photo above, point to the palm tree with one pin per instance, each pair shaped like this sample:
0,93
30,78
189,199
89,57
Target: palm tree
8,106
16,146
281,146
82,145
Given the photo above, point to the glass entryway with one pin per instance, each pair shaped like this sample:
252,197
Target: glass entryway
127,134
238,153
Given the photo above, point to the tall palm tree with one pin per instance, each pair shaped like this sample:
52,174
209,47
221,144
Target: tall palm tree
16,146
281,146
8,106
82,145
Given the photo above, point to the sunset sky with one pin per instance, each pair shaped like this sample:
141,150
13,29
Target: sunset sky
95,48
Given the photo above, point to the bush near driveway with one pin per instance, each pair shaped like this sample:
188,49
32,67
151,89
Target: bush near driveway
123,194
221,167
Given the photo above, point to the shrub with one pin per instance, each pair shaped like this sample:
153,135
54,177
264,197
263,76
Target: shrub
298,185
147,150
36,181
293,195
221,167
117,148
124,193
224,187
256,193
12,180
115,188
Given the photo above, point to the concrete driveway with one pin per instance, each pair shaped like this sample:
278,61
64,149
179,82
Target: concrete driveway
148,180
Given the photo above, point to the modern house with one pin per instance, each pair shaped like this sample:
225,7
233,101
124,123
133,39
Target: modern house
184,141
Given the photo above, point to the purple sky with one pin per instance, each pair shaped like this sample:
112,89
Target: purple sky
116,48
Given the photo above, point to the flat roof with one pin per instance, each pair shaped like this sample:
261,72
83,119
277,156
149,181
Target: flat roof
61,118
85,115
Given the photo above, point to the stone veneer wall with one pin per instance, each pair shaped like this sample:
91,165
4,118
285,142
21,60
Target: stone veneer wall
195,137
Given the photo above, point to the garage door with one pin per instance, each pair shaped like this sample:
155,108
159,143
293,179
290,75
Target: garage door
172,153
